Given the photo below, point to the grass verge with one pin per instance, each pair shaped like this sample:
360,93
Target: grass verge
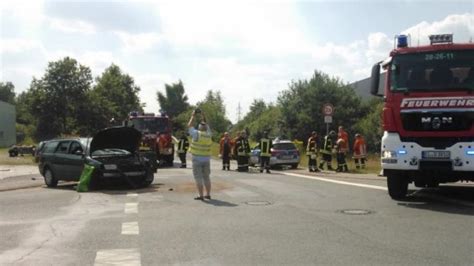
5,159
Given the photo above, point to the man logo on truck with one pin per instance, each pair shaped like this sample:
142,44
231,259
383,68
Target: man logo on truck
436,122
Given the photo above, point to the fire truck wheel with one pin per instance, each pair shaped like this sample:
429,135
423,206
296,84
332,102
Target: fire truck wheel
397,185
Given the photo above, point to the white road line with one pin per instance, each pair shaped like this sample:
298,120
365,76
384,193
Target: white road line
129,257
336,181
131,207
130,228
132,194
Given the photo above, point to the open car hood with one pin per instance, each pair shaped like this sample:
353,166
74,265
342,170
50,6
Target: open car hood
125,138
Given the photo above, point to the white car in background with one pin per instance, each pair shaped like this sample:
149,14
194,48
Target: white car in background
284,152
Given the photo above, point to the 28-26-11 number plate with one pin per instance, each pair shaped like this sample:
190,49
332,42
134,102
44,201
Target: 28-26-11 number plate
436,154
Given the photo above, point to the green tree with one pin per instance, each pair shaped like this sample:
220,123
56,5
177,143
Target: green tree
301,106
115,95
23,105
7,92
214,109
174,101
57,98
261,117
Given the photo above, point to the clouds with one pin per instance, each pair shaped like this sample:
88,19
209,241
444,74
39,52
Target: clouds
460,25
72,26
138,43
246,50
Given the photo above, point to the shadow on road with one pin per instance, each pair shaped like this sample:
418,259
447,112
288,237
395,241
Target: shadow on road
220,203
111,188
448,199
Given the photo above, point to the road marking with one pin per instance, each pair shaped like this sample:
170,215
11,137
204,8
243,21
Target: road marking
129,257
132,194
336,181
130,228
131,207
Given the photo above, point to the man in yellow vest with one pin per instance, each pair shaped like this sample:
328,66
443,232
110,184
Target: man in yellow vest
265,146
201,151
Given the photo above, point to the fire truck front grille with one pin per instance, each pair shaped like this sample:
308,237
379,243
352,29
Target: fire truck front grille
437,121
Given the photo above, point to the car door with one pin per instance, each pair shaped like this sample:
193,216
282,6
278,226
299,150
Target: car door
74,160
59,161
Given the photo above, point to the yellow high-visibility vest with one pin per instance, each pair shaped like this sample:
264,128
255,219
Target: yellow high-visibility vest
183,145
265,147
327,148
202,146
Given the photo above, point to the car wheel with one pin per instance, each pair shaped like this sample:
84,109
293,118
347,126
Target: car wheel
397,185
294,166
148,179
49,178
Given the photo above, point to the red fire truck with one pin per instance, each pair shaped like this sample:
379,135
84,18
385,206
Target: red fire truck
156,135
428,113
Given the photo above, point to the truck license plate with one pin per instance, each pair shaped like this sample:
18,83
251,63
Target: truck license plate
436,154
110,166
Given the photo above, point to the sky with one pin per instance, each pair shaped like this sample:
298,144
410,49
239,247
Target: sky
245,49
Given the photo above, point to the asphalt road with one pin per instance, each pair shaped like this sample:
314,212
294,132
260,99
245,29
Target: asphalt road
287,217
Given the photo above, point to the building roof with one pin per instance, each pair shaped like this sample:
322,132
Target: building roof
7,104
362,87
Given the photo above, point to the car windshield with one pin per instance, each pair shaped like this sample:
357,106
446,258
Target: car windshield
109,152
284,146
433,71
152,124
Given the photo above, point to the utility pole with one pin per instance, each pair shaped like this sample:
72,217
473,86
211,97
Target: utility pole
239,112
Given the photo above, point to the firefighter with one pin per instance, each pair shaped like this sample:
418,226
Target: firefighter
326,151
242,152
341,155
183,145
360,151
341,133
225,150
265,145
312,152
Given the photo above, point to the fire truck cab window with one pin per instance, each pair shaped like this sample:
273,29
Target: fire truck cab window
441,71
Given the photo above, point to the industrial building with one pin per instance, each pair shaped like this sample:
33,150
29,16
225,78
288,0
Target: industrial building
7,124
362,87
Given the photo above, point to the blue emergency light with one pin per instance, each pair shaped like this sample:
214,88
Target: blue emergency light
402,41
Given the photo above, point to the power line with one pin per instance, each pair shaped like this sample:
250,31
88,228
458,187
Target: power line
239,112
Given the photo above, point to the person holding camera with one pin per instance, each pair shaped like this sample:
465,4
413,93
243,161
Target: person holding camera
200,148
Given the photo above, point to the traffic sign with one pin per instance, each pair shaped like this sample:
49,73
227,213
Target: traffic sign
328,109
328,119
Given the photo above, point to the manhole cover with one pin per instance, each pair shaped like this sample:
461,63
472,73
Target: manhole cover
258,203
356,212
